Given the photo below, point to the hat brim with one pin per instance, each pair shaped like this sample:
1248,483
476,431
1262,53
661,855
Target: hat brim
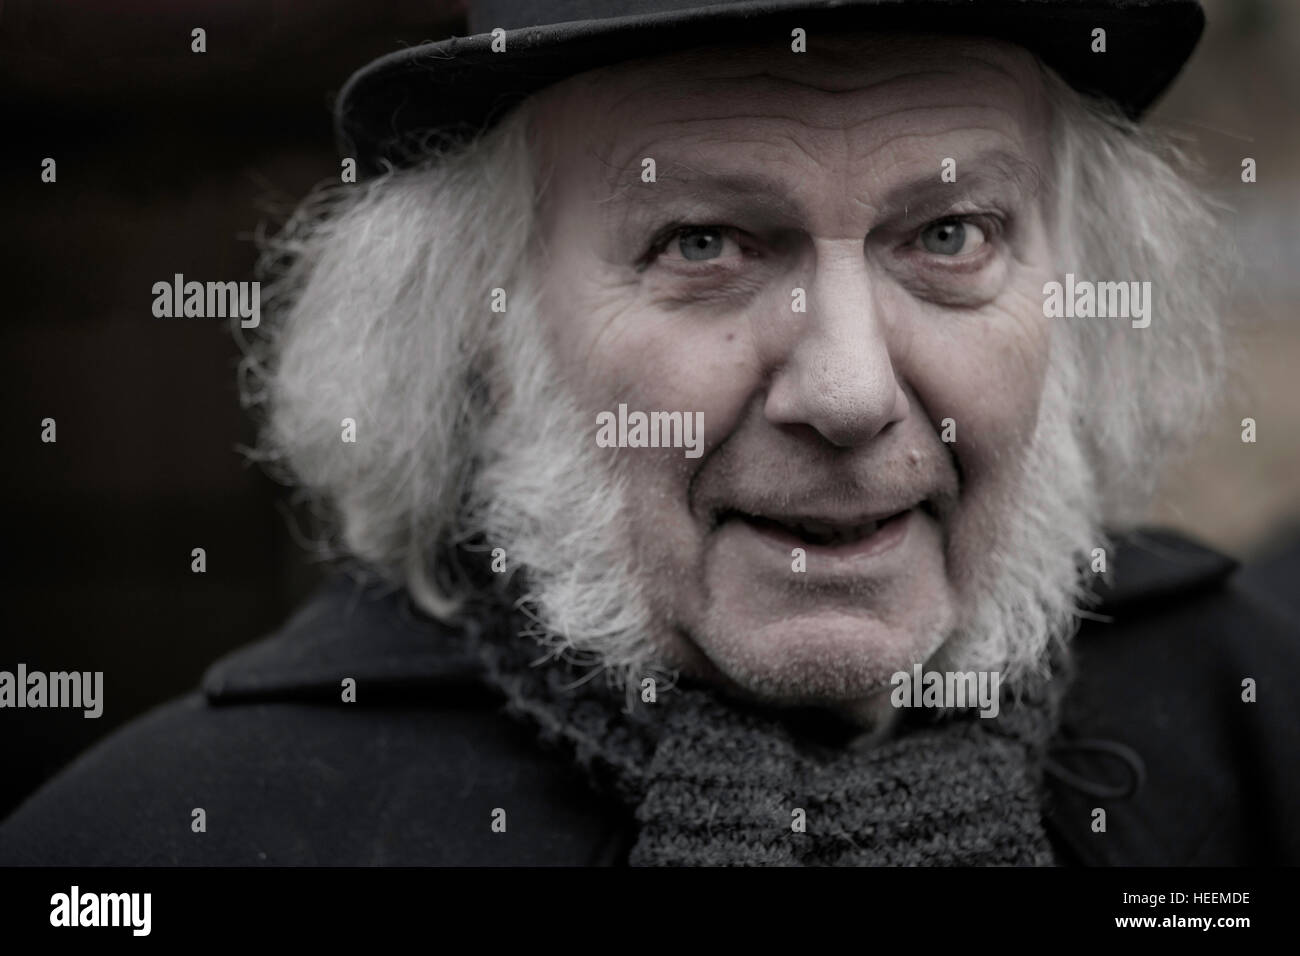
459,86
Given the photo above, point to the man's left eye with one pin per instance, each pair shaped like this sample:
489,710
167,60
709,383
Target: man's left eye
952,237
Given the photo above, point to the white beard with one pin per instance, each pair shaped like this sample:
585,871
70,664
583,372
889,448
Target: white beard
543,496
559,513
1025,591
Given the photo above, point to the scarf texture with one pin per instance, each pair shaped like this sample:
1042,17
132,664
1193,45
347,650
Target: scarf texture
715,782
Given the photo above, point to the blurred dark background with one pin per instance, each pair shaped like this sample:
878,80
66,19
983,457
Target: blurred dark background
169,160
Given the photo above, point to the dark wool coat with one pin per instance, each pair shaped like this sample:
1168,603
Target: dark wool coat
412,771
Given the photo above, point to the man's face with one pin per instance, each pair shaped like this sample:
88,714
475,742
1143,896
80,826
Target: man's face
859,453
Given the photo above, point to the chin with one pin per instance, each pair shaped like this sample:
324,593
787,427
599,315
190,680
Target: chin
826,657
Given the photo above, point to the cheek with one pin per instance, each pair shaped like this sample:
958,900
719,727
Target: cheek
985,370
612,347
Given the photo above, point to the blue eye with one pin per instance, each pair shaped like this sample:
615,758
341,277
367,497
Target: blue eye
690,243
952,237
700,243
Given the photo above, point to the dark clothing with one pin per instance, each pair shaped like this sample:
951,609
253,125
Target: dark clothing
412,771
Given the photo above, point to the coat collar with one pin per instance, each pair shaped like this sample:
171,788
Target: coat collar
1151,565
352,626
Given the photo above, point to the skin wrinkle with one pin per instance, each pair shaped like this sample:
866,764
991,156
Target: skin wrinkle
823,381
632,156
632,163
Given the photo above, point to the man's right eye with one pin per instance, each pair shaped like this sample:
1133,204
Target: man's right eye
698,244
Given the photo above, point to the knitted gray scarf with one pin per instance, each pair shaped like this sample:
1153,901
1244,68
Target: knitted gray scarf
719,782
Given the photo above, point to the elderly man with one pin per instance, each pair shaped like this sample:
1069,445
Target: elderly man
753,400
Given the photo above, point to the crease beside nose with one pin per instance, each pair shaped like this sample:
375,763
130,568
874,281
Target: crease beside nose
837,375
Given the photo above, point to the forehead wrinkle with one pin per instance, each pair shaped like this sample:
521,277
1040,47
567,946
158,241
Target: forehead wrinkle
614,170
686,141
946,110
765,79
932,144
710,136
690,185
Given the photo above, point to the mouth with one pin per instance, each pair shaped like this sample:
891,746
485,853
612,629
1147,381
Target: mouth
831,534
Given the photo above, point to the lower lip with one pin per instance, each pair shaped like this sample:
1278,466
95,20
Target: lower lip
886,537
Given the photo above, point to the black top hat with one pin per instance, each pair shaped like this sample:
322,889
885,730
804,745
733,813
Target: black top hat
461,85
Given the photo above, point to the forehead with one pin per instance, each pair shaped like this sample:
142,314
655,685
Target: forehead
867,101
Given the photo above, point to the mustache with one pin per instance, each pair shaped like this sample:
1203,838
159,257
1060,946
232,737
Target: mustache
824,483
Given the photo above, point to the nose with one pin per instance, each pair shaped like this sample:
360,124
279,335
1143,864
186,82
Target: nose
834,372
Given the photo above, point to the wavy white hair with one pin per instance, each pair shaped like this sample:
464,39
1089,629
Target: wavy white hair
380,311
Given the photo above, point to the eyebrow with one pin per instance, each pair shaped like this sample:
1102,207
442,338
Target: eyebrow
995,172
914,200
